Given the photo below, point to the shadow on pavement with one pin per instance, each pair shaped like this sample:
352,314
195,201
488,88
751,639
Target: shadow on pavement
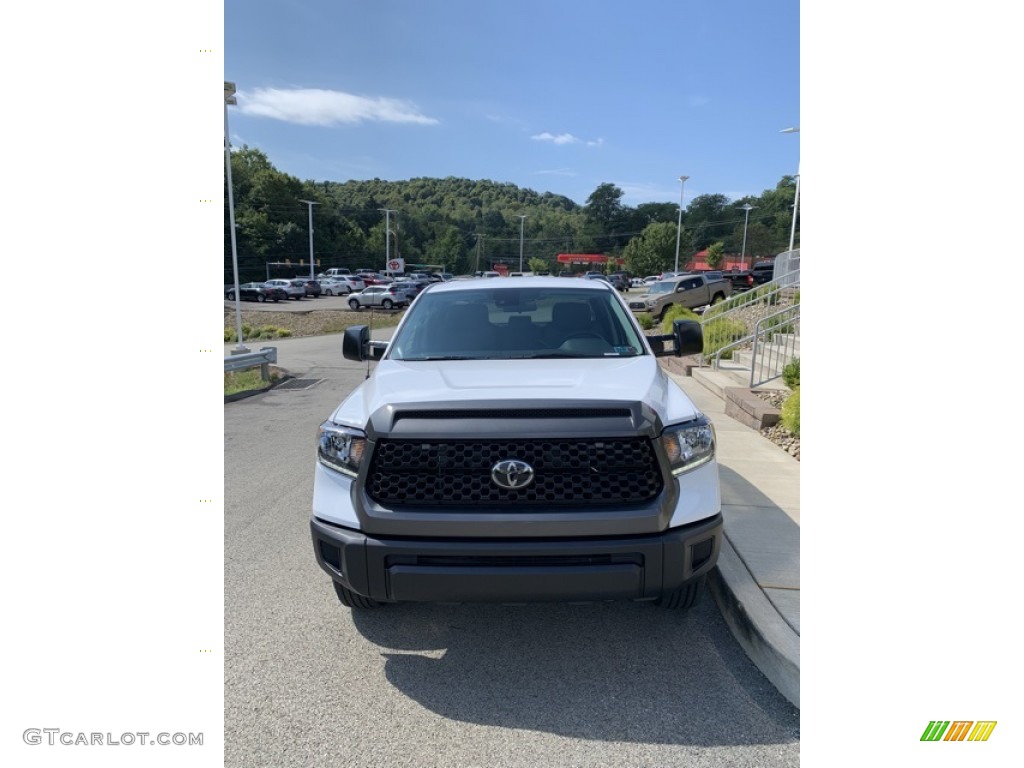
607,671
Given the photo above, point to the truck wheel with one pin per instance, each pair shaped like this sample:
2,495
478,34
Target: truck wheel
350,599
661,315
684,597
717,299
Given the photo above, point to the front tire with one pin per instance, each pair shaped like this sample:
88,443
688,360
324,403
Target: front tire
260,298
683,598
350,599
328,292
353,304
387,304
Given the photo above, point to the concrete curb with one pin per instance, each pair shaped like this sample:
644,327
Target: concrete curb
769,642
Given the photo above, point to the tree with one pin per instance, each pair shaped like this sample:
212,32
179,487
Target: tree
539,265
450,251
604,205
653,251
715,255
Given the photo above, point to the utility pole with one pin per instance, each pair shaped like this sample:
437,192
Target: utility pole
310,203
479,242
522,222
679,226
387,235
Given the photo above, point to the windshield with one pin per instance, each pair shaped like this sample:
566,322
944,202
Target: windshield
519,323
664,286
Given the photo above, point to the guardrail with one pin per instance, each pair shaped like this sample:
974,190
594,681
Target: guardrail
245,360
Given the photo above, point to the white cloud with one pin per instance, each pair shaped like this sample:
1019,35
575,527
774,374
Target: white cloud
562,138
595,143
313,106
556,172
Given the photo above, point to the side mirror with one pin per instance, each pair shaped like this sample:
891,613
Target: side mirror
355,342
688,336
687,339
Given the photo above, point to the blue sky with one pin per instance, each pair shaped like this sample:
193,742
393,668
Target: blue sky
553,96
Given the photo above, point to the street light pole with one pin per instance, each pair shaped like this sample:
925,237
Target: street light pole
796,195
679,226
746,216
310,203
387,237
229,98
522,222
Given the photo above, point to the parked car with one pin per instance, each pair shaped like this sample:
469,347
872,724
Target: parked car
412,288
384,296
334,272
763,272
253,292
342,286
690,291
636,282
620,281
294,288
741,279
312,287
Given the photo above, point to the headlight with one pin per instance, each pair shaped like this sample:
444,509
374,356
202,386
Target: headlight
689,445
341,448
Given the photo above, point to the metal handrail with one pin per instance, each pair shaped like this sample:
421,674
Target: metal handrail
740,322
777,358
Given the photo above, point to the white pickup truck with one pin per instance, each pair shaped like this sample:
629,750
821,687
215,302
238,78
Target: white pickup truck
517,441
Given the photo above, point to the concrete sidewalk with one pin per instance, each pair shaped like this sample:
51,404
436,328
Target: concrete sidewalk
757,581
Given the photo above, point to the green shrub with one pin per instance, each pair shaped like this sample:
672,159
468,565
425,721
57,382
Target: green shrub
721,332
791,374
675,312
246,330
791,412
229,335
283,332
646,321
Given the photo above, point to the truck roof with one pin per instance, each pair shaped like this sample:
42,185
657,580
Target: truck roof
507,283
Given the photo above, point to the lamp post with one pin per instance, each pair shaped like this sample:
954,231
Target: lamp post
747,208
796,196
522,223
679,226
387,237
229,98
310,203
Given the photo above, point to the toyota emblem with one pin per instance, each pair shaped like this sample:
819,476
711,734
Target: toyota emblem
512,474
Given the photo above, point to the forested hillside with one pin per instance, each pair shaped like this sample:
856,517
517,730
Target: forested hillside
470,224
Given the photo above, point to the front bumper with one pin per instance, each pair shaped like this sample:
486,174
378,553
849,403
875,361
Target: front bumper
517,570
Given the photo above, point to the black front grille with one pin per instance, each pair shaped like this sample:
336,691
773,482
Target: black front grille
518,413
567,472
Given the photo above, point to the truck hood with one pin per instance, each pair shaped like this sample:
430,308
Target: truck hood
628,380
